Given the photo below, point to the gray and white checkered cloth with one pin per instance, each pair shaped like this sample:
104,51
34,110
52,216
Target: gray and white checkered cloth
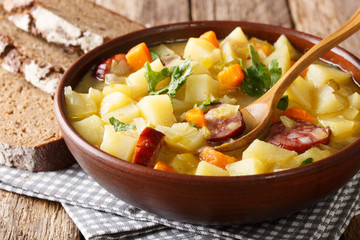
99,215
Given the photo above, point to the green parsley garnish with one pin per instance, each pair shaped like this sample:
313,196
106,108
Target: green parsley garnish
306,161
120,126
178,75
259,79
154,55
206,103
193,125
283,103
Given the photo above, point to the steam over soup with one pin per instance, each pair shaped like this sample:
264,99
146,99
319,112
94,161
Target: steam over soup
167,106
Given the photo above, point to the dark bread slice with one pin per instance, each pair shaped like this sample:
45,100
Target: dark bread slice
78,25
30,138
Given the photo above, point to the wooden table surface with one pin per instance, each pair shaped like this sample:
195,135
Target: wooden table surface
29,218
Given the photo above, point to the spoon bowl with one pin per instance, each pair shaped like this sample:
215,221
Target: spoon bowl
257,115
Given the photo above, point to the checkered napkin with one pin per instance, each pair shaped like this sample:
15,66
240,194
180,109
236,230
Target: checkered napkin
99,215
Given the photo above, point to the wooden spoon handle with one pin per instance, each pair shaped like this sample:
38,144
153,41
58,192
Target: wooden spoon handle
314,53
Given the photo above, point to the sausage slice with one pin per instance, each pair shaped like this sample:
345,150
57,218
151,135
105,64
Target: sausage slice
299,138
148,147
224,121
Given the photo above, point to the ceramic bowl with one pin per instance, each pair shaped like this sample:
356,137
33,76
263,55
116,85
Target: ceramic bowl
202,199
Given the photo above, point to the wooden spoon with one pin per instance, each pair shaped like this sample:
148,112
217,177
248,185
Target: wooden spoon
258,113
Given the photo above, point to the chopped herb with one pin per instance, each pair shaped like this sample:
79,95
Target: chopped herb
241,62
306,161
283,103
178,75
193,125
154,55
153,78
259,79
206,103
120,126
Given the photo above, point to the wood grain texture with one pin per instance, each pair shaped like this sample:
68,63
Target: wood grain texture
150,12
30,218
269,11
321,17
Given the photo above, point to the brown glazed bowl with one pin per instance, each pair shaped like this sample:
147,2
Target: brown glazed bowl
202,199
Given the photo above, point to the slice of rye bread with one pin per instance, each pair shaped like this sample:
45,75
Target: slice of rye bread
30,138
77,25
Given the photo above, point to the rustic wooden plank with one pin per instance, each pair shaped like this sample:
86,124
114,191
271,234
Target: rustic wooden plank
31,218
150,12
321,17
352,232
270,11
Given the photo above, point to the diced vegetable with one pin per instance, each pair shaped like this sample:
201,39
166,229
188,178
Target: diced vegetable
249,166
301,91
123,88
267,153
184,163
182,136
119,144
231,76
354,100
202,51
91,128
138,56
196,116
210,36
200,88
105,67
137,80
157,109
283,40
208,169
320,74
328,101
216,158
163,167
79,105
282,56
114,101
339,126
299,114
125,114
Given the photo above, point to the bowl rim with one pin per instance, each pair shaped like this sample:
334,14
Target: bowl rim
115,163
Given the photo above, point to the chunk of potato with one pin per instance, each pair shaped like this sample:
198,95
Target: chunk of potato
182,136
138,82
283,40
184,163
96,95
200,88
301,91
202,51
339,126
351,113
157,109
90,128
163,50
248,166
237,39
282,56
268,153
125,114
123,88
119,144
113,101
315,153
354,100
207,169
79,105
327,101
320,74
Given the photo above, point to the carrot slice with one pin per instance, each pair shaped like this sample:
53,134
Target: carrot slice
231,76
138,56
196,116
299,114
210,36
163,167
216,158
